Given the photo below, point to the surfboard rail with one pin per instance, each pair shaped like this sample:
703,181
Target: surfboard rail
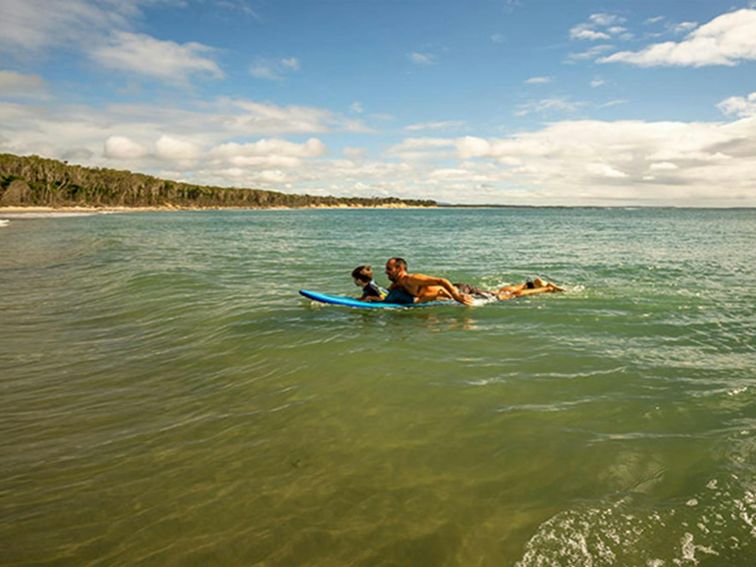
345,301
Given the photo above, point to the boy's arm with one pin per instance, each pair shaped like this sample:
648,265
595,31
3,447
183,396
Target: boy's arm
374,295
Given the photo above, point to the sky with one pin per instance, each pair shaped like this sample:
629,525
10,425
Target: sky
519,102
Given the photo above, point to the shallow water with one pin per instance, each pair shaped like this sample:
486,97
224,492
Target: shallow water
168,398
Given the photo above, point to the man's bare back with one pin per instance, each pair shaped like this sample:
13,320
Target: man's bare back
420,286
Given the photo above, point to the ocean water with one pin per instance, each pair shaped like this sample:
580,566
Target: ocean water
167,398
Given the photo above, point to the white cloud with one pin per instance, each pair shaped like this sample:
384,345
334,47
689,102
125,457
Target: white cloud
383,117
422,148
605,19
261,70
33,25
166,60
548,104
449,173
193,144
242,6
422,58
440,125
425,143
597,82
538,80
273,146
654,20
604,170
102,30
121,147
663,166
422,144
19,84
273,69
614,102
209,125
266,153
355,153
726,40
739,106
470,146
591,53
609,161
290,63
683,27
357,107
582,32
170,148
273,176
600,26
264,118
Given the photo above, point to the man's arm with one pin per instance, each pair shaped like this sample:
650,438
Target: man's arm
423,280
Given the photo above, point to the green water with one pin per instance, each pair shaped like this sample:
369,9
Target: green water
167,398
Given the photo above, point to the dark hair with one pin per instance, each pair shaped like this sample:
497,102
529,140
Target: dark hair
363,273
400,261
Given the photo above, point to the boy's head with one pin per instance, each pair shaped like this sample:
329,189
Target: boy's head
362,275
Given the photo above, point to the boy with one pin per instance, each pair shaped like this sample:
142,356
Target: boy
363,277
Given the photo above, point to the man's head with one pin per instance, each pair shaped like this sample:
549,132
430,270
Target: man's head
396,268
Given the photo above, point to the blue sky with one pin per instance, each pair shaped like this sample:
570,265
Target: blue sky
514,102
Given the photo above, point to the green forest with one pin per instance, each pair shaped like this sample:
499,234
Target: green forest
35,181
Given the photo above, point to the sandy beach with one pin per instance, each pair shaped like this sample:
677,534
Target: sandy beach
19,212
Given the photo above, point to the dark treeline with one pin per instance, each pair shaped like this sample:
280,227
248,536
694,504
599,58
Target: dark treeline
36,181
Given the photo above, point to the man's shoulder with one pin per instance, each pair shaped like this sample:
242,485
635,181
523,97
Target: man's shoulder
419,277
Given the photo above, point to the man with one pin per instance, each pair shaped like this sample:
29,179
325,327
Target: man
419,288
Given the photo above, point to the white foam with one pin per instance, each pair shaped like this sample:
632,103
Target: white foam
689,548
4,222
477,301
619,534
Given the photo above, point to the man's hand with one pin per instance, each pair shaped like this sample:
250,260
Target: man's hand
464,299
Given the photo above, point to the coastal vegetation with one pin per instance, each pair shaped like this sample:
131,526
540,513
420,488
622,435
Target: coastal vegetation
36,181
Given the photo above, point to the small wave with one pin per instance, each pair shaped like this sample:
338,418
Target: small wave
4,222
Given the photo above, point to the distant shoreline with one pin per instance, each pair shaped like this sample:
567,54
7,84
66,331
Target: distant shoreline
20,211
173,208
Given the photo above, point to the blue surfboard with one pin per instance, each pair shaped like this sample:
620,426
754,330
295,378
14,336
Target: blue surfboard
352,302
